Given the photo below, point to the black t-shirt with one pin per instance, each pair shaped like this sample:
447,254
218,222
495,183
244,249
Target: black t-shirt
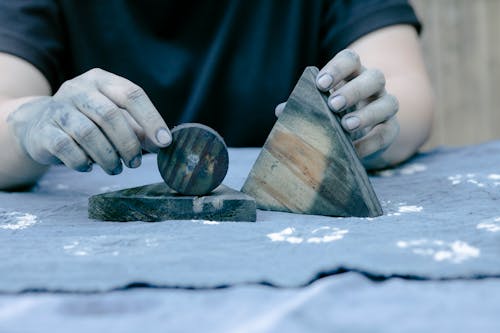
224,63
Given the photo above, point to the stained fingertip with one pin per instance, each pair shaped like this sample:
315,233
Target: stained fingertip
117,170
163,137
136,161
85,168
324,82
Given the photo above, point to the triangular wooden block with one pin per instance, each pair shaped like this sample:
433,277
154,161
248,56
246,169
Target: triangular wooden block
308,164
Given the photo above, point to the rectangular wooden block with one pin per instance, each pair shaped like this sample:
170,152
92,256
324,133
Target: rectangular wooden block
157,202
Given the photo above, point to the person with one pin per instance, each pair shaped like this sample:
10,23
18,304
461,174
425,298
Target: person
95,82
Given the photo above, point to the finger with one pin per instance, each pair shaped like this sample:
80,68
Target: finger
132,98
378,139
279,109
90,139
110,118
343,65
65,149
368,83
372,114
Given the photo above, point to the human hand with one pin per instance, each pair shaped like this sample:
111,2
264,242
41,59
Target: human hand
359,96
96,117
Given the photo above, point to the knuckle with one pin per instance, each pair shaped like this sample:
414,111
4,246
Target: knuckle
393,102
61,145
134,93
352,56
353,92
378,140
108,113
369,115
377,76
86,133
384,136
68,86
94,72
131,148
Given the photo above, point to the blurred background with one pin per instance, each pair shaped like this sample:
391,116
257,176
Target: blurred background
461,41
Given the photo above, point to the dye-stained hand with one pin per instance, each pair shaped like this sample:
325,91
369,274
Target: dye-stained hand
358,95
96,117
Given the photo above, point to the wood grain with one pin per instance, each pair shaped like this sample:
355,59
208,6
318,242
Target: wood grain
157,202
308,165
196,161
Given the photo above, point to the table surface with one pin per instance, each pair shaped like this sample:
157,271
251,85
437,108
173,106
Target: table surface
432,261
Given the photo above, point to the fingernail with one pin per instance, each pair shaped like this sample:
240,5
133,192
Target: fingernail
325,81
163,136
117,170
352,123
135,162
338,102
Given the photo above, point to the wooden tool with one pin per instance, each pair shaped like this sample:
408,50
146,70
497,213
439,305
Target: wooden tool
308,164
196,162
158,202
193,167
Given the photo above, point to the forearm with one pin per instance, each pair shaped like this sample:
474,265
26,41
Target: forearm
396,52
17,169
415,116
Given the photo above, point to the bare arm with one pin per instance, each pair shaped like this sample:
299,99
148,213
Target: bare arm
16,168
381,86
396,52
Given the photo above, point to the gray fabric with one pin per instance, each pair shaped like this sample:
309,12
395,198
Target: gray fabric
345,303
442,220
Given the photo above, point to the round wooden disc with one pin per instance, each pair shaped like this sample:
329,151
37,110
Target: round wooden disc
196,161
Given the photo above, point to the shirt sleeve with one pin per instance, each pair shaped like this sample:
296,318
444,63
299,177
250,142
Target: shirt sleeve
32,30
345,21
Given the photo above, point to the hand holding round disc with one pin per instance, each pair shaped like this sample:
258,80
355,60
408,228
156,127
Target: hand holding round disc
196,161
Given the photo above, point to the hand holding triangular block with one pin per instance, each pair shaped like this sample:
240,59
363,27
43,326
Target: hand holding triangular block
308,164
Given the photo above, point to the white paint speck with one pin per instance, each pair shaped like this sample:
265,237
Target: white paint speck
109,188
491,225
281,235
16,220
211,222
394,214
151,242
294,240
192,161
320,235
410,169
494,176
455,252
386,173
406,170
475,182
198,204
217,203
410,209
71,246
